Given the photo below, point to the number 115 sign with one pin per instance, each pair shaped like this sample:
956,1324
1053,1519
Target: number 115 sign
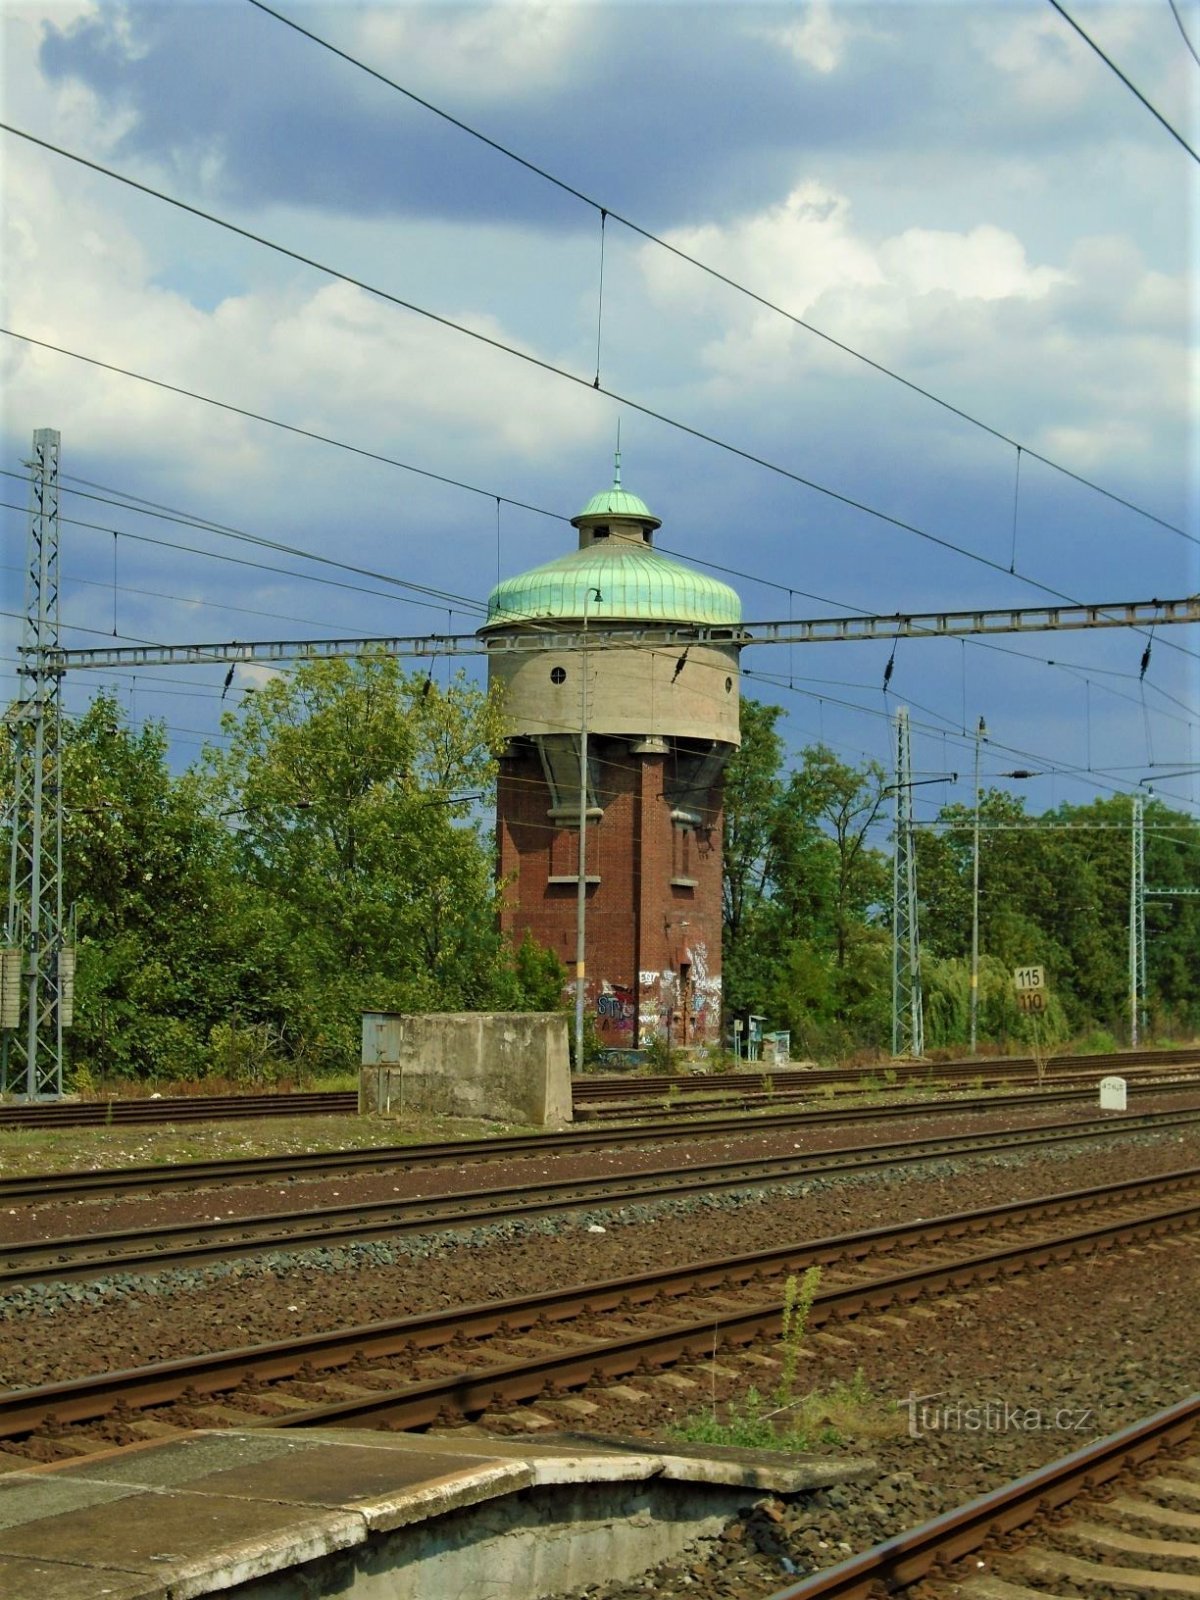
1030,986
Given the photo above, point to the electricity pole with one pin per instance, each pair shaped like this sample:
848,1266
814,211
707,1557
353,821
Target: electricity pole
908,1019
581,884
980,736
37,1006
1137,923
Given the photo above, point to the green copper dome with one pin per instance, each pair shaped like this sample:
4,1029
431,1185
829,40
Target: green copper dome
616,558
635,584
618,502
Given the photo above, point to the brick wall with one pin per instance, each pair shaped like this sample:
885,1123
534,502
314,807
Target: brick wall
653,946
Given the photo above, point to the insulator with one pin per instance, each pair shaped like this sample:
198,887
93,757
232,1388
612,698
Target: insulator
10,988
66,984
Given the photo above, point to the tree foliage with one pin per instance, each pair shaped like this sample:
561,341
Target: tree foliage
804,889
808,891
330,859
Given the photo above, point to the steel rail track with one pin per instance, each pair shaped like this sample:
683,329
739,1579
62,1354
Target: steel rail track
181,1108
699,1099
1003,1068
916,1553
158,1248
418,1404
255,1169
200,1108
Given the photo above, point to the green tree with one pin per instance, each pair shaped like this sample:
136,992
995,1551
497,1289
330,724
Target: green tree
1054,891
804,890
356,790
168,943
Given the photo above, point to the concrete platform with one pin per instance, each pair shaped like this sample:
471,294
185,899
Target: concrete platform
266,1515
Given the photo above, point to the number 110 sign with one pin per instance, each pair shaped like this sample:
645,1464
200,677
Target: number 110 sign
1030,986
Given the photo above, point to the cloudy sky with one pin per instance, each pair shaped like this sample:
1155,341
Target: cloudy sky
961,193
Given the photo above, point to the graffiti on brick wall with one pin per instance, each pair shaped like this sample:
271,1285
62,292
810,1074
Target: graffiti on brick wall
664,997
704,997
615,1007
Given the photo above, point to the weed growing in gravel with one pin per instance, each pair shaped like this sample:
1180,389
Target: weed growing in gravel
798,1297
749,1423
844,1411
766,1424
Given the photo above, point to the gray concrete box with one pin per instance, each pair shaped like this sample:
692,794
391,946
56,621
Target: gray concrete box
503,1066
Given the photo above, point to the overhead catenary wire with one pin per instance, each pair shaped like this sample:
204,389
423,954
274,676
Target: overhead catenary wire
225,531
1013,652
284,427
606,211
463,601
941,726
1183,32
219,556
1113,67
538,362
711,565
259,566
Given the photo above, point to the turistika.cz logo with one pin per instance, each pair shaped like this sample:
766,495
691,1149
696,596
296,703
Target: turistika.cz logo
932,1413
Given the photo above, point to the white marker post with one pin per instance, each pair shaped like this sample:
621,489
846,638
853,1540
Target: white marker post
1112,1094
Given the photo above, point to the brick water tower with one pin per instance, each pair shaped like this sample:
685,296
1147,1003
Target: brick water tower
661,722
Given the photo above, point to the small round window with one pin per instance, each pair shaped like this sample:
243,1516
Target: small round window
558,674
728,685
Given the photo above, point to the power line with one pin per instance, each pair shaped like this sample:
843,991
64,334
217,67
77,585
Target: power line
1183,31
1132,87
164,514
182,599
325,439
464,604
537,362
606,211
943,728
274,422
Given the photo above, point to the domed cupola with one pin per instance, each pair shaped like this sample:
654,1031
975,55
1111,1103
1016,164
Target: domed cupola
616,556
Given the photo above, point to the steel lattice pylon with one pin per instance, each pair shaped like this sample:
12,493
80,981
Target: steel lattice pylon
32,1048
1137,924
908,1017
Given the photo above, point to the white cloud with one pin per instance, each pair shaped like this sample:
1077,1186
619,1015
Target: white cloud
473,50
323,355
71,111
1080,358
792,253
817,39
251,674
987,263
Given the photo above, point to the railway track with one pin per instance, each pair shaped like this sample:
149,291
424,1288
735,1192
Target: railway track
1011,1070
691,1095
178,1108
186,1244
467,1361
256,1169
1079,1535
591,1094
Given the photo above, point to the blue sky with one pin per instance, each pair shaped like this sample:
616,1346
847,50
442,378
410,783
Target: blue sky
963,192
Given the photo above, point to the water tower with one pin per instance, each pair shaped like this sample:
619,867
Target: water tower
661,723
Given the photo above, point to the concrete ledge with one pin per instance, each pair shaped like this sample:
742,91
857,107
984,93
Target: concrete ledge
270,1515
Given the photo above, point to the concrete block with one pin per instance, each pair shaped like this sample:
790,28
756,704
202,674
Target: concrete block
499,1066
